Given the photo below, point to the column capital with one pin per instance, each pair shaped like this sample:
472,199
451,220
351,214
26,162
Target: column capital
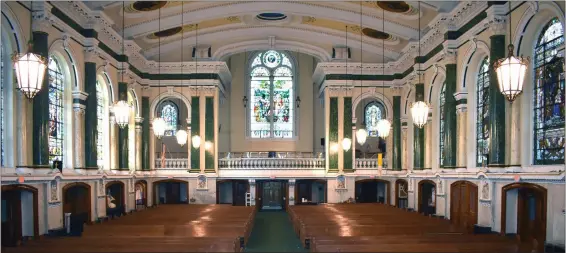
91,53
138,120
461,95
79,109
42,19
449,56
340,91
496,19
404,123
396,90
461,108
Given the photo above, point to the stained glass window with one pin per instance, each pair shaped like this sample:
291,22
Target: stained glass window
56,118
549,95
441,103
100,114
170,114
271,93
482,123
373,113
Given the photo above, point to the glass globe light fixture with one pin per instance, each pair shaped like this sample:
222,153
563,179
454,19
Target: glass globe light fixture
383,128
29,69
419,113
208,145
195,141
334,147
181,136
346,144
511,74
121,113
361,136
158,126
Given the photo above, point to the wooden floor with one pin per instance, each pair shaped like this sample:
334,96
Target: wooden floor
383,228
166,228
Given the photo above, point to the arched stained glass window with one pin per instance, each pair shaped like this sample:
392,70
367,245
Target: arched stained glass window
441,103
170,113
271,93
482,105
549,95
100,115
373,112
56,115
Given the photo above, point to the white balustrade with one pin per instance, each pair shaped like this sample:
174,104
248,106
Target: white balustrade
271,163
172,164
369,163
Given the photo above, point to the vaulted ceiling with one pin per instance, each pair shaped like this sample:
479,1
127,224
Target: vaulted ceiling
306,27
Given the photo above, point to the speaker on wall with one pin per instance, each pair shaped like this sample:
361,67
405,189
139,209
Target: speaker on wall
322,142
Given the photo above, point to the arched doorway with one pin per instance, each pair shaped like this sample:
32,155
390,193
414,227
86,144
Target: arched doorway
464,204
232,191
77,202
401,193
523,211
171,191
18,222
141,194
372,191
427,197
115,199
312,191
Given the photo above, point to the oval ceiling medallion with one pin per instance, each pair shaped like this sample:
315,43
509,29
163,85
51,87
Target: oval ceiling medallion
372,33
148,5
394,6
168,32
271,16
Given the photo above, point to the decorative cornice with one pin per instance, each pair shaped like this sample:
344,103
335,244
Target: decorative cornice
80,95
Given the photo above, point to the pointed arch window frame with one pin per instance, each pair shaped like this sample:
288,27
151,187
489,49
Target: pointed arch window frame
171,127
372,131
482,108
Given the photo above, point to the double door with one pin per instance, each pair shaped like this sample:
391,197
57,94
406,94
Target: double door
271,195
463,205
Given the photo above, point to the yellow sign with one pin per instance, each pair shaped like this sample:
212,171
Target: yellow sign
379,160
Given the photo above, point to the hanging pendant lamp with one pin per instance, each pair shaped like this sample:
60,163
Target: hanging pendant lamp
30,68
121,108
511,70
158,123
181,134
362,133
419,109
383,125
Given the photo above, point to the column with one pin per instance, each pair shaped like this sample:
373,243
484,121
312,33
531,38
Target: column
292,192
397,154
79,110
462,121
145,135
428,142
209,135
90,112
113,143
498,49
123,132
354,143
347,133
418,133
139,145
195,129
404,156
189,144
332,135
151,148
450,111
40,128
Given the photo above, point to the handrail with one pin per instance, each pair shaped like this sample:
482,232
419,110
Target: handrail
276,163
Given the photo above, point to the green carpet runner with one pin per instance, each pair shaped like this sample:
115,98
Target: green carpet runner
273,232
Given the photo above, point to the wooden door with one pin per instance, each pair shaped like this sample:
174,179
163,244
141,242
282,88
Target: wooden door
530,217
77,203
239,189
272,194
11,218
259,195
463,205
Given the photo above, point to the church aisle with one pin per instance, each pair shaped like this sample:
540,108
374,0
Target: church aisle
273,232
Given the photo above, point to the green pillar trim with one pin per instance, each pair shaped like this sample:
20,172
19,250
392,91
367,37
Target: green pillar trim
348,163
145,134
40,143
397,133
333,135
496,157
195,130
450,134
209,134
418,134
91,117
123,132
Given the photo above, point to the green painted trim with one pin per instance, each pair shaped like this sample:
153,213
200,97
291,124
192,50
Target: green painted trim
79,101
40,140
496,105
91,116
108,50
419,92
418,134
461,101
209,133
450,134
348,161
433,52
404,124
195,130
146,165
123,132
330,77
397,151
333,135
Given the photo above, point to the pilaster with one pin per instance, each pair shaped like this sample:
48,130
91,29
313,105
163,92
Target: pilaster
496,154
123,132
113,142
139,149
397,149
418,134
40,129
450,138
195,127
404,143
91,117
79,99
348,162
461,129
145,163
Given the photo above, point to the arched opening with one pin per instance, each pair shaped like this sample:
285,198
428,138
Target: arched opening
175,114
369,111
401,193
464,204
141,194
372,191
19,214
171,191
232,192
310,191
427,197
523,212
77,202
115,199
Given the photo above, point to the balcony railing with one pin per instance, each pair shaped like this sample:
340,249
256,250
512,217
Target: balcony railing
271,163
172,164
369,163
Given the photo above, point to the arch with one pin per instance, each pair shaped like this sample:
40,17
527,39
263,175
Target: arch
401,193
140,193
437,81
386,194
167,95
475,53
108,86
430,206
11,198
169,112
103,90
156,190
14,27
227,51
63,52
524,192
119,190
537,15
378,97
136,103
80,211
464,204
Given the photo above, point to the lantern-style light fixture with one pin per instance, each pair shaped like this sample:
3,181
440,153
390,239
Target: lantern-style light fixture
511,70
181,137
361,136
181,134
121,108
346,144
419,113
195,141
383,128
158,125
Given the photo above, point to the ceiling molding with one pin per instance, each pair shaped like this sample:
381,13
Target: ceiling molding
222,53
